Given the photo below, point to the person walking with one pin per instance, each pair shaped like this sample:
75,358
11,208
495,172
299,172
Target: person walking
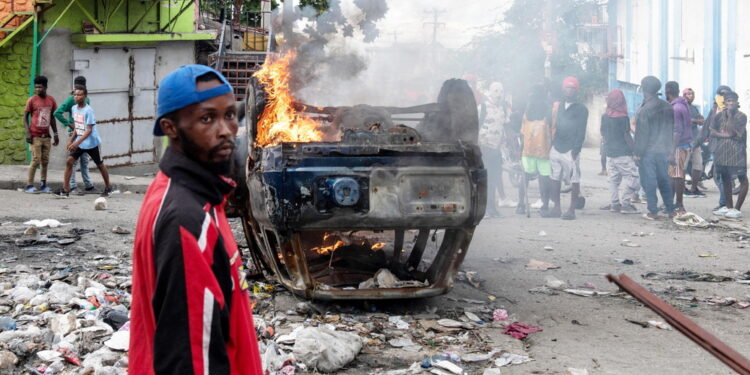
39,109
618,147
85,140
190,310
729,138
569,118
67,108
654,131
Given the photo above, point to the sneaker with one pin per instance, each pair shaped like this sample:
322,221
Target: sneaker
628,209
106,192
698,194
500,203
650,216
721,211
44,189
538,204
636,200
90,188
615,207
689,194
733,213
78,192
30,189
606,208
62,193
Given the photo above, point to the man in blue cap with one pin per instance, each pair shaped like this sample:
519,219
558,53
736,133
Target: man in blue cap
190,310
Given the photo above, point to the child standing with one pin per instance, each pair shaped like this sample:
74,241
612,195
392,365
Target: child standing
39,108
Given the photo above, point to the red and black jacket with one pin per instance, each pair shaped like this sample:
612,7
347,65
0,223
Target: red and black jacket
189,312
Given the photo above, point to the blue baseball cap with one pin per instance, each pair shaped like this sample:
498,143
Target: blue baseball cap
178,90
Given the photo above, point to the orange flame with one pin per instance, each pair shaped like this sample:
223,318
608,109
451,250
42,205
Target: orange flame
378,246
279,122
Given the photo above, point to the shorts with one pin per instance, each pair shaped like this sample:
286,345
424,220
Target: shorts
680,158
534,165
696,158
565,168
731,170
93,152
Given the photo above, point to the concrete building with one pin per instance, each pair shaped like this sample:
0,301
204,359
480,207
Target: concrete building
698,43
124,48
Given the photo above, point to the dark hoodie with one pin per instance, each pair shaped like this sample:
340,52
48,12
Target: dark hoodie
683,128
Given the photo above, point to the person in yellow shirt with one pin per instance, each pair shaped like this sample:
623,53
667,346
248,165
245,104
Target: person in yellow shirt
536,131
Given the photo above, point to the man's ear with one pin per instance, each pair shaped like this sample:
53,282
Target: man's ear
169,127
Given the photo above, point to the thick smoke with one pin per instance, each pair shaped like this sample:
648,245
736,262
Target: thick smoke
319,40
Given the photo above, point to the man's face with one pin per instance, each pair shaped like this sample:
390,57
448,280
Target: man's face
731,104
40,90
569,93
207,130
690,96
79,97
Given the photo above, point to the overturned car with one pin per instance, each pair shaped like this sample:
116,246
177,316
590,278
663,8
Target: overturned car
374,208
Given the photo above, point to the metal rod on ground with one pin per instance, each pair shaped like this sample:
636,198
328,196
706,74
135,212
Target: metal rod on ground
687,327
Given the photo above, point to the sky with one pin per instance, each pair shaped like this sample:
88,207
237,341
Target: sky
462,19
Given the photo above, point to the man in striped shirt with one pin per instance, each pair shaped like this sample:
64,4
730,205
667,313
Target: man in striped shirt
729,143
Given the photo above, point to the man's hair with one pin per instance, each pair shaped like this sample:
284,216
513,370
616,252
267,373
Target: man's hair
41,80
208,77
650,85
80,80
731,95
672,88
81,88
722,88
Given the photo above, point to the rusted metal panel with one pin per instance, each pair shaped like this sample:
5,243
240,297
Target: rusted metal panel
687,327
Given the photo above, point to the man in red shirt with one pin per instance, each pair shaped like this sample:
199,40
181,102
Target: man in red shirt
40,108
190,311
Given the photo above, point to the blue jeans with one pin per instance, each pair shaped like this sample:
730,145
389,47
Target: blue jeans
653,171
84,163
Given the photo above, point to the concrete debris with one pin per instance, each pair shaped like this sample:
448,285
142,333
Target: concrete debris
325,349
7,359
508,359
100,204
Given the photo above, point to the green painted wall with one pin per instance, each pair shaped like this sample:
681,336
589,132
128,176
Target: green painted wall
124,18
15,59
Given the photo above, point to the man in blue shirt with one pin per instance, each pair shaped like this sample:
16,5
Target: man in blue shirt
84,140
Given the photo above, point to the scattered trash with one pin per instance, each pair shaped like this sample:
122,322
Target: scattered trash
660,325
100,204
686,275
129,177
476,357
384,278
627,243
520,330
553,283
549,248
690,219
473,317
120,230
636,322
491,371
538,265
7,359
7,323
577,371
586,293
31,231
499,315
544,290
507,359
708,256
52,223
624,261
450,323
542,233
325,349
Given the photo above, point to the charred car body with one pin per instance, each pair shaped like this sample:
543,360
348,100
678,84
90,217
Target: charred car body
386,211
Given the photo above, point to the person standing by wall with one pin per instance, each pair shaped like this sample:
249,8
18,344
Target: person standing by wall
67,108
654,132
682,142
39,109
729,137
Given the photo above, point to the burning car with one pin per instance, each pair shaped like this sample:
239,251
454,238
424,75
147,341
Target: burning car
353,203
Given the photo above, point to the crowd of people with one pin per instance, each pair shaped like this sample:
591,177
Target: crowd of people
40,123
666,149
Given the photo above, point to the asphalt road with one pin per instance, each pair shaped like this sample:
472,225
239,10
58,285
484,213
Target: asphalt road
579,332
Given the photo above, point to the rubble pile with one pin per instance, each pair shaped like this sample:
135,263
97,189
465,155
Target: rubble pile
64,322
321,338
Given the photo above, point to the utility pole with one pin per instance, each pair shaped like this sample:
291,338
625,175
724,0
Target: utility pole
435,24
